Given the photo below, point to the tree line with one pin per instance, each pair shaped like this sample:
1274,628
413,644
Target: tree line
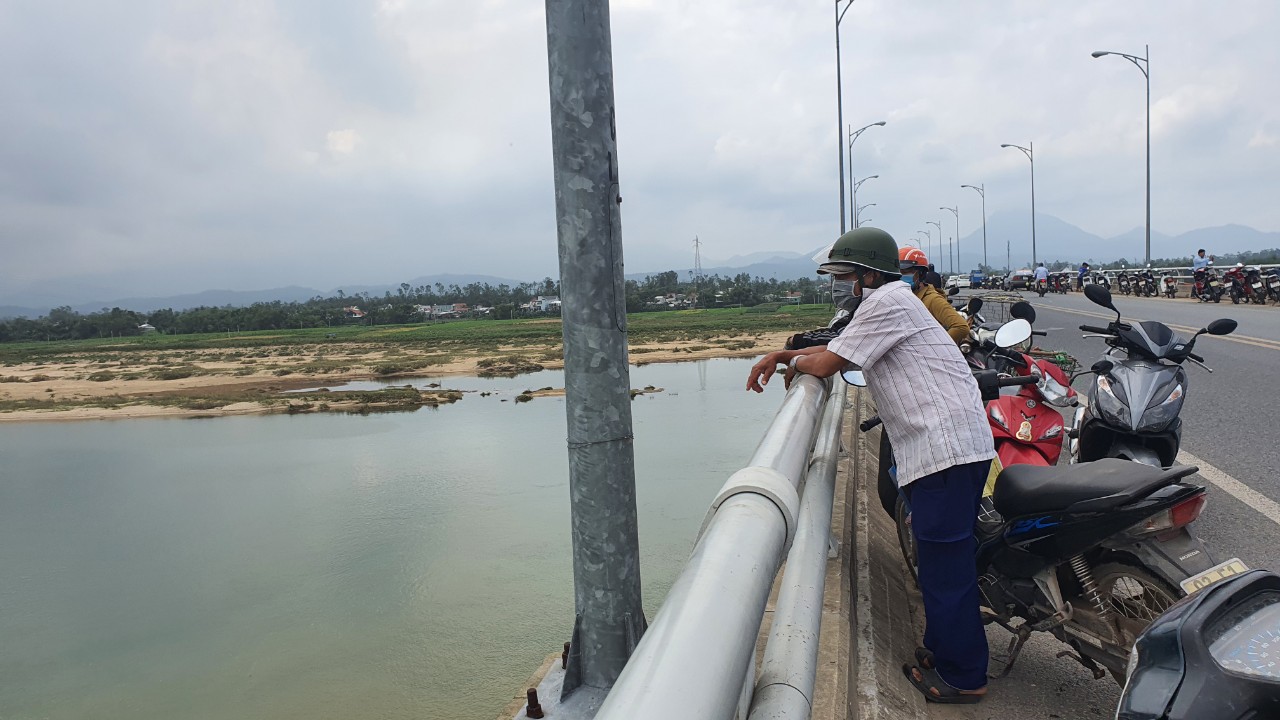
398,307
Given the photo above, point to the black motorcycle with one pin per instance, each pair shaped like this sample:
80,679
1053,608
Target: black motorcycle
1211,655
1089,553
1122,283
1146,282
1135,401
1257,291
1271,280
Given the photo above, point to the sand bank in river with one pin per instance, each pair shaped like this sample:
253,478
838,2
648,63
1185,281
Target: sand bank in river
75,387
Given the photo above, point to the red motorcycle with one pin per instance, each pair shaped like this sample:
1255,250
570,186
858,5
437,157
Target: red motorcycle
1237,281
1026,427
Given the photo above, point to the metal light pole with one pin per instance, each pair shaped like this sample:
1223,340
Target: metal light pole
982,192
955,211
854,195
928,241
609,617
1030,152
840,108
853,135
857,213
938,259
1143,64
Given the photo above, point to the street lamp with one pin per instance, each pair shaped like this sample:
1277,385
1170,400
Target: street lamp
853,135
840,107
1030,152
854,195
954,211
982,192
1143,64
938,258
857,213
928,241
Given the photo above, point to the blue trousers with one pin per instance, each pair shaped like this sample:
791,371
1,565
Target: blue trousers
944,511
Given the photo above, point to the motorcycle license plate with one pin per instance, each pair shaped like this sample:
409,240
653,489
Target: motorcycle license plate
1215,283
1258,285
1200,581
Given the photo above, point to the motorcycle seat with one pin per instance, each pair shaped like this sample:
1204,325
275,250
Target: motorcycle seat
1086,487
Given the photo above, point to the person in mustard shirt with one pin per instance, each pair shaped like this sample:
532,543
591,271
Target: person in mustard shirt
914,265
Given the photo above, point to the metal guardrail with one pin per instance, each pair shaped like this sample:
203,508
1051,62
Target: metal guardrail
789,668
697,659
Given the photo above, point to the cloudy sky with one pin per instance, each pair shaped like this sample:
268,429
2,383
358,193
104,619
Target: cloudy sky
162,146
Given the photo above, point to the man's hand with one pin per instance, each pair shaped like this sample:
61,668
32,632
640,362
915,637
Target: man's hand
763,370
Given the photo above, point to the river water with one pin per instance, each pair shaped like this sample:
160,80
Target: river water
408,565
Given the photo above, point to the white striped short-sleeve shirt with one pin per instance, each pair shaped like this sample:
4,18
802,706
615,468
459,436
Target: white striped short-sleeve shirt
923,388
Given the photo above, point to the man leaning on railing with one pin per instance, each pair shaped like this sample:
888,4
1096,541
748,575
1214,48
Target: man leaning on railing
931,408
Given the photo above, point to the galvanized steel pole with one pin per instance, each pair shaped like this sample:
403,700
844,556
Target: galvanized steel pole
606,559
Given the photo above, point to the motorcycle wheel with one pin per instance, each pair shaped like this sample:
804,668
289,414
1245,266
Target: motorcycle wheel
1135,596
1235,299
1217,298
906,539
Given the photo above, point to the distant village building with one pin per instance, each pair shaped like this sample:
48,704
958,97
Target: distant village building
146,328
543,303
352,312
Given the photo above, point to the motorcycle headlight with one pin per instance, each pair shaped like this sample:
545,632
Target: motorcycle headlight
1111,403
1053,391
1160,414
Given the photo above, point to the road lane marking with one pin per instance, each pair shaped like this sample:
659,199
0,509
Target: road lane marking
1242,339
1245,494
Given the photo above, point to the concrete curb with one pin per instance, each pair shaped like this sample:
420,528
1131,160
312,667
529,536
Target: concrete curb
884,631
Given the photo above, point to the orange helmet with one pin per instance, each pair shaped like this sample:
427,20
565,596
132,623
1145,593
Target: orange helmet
909,257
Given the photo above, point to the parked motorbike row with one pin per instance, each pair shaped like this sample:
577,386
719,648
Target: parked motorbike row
1247,284
1059,282
1100,553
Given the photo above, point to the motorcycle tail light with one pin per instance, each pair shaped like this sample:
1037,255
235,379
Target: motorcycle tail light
1180,515
1186,512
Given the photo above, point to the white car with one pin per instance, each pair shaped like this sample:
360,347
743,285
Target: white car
957,281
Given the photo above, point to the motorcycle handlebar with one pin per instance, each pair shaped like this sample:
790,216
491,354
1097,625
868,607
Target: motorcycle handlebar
1195,357
1041,333
1092,329
869,423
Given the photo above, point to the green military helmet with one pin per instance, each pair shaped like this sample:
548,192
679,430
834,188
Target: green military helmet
868,247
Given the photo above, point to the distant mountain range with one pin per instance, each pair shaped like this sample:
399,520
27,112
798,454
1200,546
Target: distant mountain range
1057,243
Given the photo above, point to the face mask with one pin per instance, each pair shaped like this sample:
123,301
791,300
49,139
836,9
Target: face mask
909,278
842,295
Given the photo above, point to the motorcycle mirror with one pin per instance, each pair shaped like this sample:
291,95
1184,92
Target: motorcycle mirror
853,375
1012,333
1225,326
975,304
1023,311
1099,295
1102,367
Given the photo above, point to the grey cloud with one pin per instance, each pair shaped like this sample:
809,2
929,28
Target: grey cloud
155,143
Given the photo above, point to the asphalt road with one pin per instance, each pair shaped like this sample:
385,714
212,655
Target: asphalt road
1231,420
